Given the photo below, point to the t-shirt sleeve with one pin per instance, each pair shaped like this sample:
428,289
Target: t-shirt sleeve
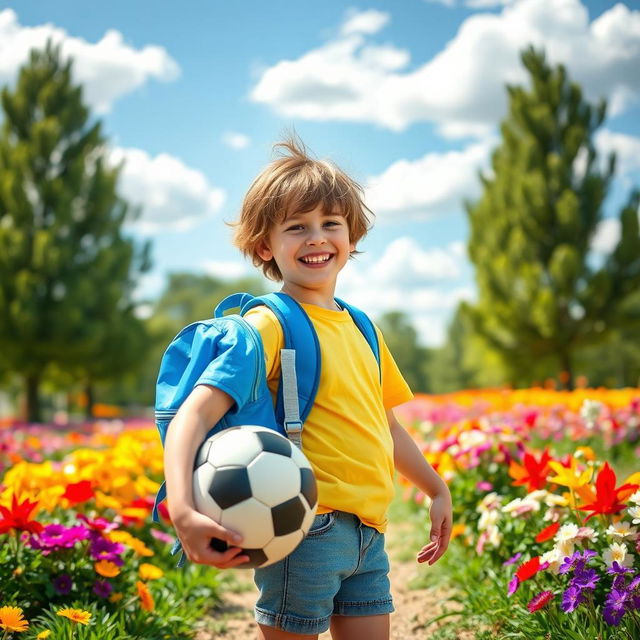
395,389
270,331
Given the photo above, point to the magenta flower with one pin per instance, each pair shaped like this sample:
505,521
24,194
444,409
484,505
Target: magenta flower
57,536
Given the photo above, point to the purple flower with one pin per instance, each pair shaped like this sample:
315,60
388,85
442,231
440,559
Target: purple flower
576,561
572,598
103,549
102,588
634,584
63,584
614,606
616,568
514,583
585,578
512,560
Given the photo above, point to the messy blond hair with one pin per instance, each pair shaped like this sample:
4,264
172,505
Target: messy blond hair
296,182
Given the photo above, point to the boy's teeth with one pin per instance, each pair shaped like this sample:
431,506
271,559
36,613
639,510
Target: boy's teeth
316,258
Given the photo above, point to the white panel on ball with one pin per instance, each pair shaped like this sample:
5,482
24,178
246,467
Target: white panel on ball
252,520
203,501
264,469
283,545
299,458
228,450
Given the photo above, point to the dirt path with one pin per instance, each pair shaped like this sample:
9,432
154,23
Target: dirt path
233,620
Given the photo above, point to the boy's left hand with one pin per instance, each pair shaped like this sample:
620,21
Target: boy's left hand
441,518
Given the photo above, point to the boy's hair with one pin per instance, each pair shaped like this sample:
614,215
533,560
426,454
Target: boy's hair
295,182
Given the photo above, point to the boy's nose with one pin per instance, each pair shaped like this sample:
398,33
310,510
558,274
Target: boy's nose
316,236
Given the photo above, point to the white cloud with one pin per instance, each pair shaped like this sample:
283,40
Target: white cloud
626,148
227,270
236,140
370,21
435,184
107,69
171,194
606,237
425,284
461,88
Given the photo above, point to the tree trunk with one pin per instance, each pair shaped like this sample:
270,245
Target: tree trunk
89,393
566,373
32,386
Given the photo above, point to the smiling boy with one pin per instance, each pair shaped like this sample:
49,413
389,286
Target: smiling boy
300,222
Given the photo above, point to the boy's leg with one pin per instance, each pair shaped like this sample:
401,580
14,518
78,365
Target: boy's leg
352,627
269,633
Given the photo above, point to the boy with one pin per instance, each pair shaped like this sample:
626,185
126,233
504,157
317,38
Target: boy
300,222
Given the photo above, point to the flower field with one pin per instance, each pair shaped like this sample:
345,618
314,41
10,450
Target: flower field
546,493
545,532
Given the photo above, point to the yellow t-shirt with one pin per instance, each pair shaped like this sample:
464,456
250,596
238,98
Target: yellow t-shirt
346,436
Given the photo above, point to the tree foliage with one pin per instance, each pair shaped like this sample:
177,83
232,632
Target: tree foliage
541,292
67,270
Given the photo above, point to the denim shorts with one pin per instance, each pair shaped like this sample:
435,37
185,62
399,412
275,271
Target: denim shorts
340,568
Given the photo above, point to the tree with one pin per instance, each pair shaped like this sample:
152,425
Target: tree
66,269
410,356
541,293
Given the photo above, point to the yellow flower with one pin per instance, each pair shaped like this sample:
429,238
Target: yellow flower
150,571
146,598
107,569
11,619
570,476
43,634
75,615
139,547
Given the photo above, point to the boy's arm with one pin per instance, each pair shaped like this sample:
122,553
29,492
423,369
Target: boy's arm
203,407
410,462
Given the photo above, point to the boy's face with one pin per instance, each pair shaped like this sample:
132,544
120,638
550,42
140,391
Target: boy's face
309,248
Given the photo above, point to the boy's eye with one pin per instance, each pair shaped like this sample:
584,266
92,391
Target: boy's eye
294,227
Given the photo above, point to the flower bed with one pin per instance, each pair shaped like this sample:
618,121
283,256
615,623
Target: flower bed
545,536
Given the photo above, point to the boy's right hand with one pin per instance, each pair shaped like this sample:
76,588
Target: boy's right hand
195,531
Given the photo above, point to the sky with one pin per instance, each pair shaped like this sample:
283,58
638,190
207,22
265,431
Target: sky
405,96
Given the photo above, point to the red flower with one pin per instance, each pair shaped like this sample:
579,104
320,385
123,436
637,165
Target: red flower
607,496
528,569
539,601
548,532
532,472
78,492
18,517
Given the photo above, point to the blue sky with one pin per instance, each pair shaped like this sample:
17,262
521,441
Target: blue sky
405,96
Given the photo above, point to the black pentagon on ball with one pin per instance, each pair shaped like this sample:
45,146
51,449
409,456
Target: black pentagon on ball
218,545
230,486
274,443
308,486
203,453
288,516
256,558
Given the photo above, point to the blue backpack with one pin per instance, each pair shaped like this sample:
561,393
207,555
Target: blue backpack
226,352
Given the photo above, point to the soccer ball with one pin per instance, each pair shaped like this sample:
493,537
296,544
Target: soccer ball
255,481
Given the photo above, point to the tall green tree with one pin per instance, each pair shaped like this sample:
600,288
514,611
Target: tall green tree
402,340
541,293
66,268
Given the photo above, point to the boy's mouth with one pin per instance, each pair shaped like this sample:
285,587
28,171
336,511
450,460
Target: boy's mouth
316,260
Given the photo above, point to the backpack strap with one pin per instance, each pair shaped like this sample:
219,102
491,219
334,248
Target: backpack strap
300,360
234,302
363,322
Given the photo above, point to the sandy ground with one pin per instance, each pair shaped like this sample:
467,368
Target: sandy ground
233,620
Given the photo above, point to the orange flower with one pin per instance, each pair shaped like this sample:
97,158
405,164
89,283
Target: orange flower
116,596
107,569
11,619
150,571
75,615
532,473
608,496
146,598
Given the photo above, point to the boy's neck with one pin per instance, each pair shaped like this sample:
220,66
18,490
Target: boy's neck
302,295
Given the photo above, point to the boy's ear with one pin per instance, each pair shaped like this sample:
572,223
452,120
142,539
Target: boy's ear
263,251
352,247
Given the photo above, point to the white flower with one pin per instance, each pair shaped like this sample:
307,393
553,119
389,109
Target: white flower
495,537
567,533
635,498
590,412
565,548
554,500
617,553
622,530
634,512
554,559
488,519
490,501
587,533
